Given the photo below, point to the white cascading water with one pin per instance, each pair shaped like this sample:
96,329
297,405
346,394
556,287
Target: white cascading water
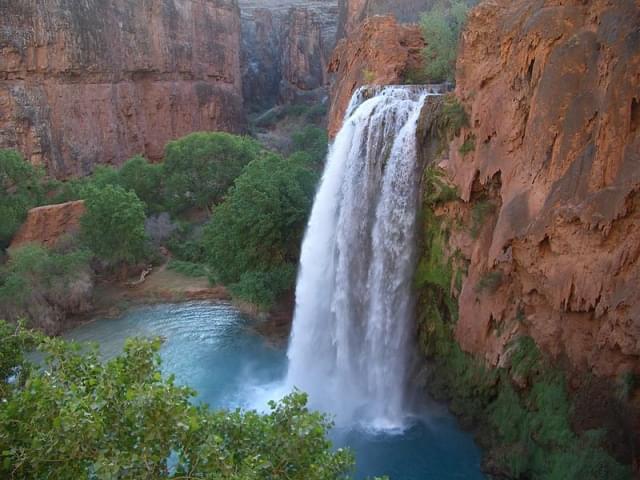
353,322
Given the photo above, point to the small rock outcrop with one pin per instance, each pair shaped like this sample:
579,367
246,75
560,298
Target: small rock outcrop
551,167
285,47
46,225
93,82
380,52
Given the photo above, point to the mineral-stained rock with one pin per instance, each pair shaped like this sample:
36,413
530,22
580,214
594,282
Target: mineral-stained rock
85,83
285,46
46,225
553,93
379,52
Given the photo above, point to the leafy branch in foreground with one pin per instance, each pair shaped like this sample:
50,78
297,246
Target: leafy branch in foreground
77,417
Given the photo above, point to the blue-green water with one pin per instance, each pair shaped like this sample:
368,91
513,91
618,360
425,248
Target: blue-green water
210,348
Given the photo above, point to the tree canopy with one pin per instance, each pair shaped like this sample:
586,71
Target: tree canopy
254,237
20,189
200,168
113,225
442,26
76,417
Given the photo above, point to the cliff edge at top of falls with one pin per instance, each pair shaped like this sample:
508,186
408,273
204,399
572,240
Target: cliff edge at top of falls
98,82
550,173
379,52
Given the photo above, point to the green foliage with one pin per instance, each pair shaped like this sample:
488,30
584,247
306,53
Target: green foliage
261,288
479,213
468,146
441,28
20,189
313,141
145,180
188,269
113,225
200,168
33,267
451,119
79,418
258,229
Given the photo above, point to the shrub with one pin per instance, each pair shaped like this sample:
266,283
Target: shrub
441,28
79,417
468,146
20,190
200,168
188,269
113,225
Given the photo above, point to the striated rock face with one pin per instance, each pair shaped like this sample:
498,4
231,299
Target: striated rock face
379,52
285,46
46,225
85,83
553,93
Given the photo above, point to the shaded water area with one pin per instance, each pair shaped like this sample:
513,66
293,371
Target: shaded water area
210,348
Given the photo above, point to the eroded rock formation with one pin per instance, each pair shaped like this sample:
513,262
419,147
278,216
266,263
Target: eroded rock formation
46,225
285,47
379,52
551,168
85,83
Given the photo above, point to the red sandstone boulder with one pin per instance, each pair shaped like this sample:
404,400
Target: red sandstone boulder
46,225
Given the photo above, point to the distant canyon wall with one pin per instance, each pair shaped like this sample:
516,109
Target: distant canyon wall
285,49
552,160
95,82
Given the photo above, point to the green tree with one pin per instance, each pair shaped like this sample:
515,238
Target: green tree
145,180
313,141
442,26
254,237
79,418
20,190
200,168
113,225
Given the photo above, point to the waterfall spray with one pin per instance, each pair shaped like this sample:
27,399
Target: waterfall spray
353,321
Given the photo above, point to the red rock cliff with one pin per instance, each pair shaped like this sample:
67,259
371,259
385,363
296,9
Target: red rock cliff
92,82
553,93
379,52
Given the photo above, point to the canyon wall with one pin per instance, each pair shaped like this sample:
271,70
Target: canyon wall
379,52
285,47
548,170
95,82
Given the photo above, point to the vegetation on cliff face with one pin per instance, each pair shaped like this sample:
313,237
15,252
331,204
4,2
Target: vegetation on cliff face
522,411
78,417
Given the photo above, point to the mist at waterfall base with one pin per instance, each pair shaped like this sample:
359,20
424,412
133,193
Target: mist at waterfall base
351,344
211,348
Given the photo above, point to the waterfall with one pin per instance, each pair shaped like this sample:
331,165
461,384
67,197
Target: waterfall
353,321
